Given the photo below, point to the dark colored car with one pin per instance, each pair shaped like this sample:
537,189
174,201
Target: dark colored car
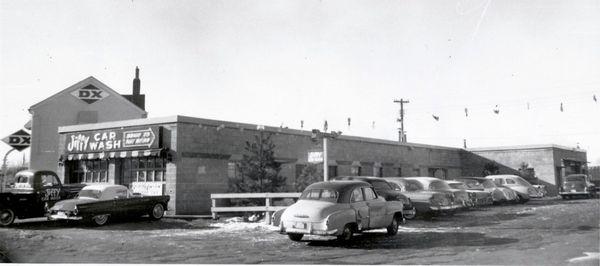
387,191
32,194
577,185
426,202
97,203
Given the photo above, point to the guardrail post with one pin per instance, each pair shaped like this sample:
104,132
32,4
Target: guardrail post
267,213
214,204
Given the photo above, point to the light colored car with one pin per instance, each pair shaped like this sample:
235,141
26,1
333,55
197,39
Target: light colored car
524,189
426,202
500,194
339,208
577,185
479,197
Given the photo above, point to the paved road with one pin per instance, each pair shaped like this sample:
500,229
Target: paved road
541,232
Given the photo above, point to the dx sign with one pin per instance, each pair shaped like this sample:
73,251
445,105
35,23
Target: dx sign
19,140
90,94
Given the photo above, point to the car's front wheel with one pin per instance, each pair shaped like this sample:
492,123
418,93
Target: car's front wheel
7,217
158,211
347,233
295,237
100,220
392,229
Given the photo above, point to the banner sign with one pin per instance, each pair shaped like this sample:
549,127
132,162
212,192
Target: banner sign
148,188
19,140
113,140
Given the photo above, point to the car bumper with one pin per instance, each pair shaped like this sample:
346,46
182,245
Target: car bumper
307,228
62,216
577,193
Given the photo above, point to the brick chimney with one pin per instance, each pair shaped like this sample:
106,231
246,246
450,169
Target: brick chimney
137,98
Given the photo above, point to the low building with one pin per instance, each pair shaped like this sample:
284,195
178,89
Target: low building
550,163
190,158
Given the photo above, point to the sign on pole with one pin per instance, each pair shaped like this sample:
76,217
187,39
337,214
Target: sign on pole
19,140
315,156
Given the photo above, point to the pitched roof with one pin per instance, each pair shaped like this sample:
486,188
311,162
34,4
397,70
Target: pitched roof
88,81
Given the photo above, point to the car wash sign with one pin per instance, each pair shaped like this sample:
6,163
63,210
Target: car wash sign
90,94
19,140
113,140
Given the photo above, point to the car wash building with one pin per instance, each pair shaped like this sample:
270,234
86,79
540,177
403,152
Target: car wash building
190,158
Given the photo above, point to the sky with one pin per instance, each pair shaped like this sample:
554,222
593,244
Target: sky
278,63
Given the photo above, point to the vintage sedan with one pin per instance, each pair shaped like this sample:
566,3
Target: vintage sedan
478,196
500,194
97,203
339,208
577,185
426,202
524,189
387,191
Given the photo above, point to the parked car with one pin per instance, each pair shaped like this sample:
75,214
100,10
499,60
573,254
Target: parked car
97,203
340,208
436,184
426,202
32,194
577,185
500,194
479,197
524,189
385,189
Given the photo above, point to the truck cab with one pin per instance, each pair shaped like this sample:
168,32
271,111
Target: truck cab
32,194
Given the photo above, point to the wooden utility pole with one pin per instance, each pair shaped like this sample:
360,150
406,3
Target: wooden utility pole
401,132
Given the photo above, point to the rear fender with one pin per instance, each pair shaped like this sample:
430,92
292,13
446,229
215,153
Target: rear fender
339,219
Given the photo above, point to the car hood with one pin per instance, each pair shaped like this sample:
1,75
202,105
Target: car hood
69,205
310,210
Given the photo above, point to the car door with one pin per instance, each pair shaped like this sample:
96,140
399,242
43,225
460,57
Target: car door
377,208
358,203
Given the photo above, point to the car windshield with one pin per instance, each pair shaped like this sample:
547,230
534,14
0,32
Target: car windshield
522,181
473,184
575,178
458,186
439,185
413,185
320,194
90,193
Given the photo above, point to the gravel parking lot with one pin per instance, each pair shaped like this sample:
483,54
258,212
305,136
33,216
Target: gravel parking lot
541,232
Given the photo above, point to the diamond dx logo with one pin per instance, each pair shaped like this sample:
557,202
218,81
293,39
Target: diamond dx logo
90,94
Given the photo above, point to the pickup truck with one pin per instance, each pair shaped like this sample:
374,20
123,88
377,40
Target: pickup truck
33,193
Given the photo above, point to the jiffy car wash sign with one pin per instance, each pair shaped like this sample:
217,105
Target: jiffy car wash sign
113,140
90,94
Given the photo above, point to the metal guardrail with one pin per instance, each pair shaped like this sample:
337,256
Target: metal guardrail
268,208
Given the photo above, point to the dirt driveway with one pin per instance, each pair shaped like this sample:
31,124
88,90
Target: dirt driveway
541,232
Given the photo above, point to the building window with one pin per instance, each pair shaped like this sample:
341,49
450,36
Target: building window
144,169
399,171
88,171
332,170
233,170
